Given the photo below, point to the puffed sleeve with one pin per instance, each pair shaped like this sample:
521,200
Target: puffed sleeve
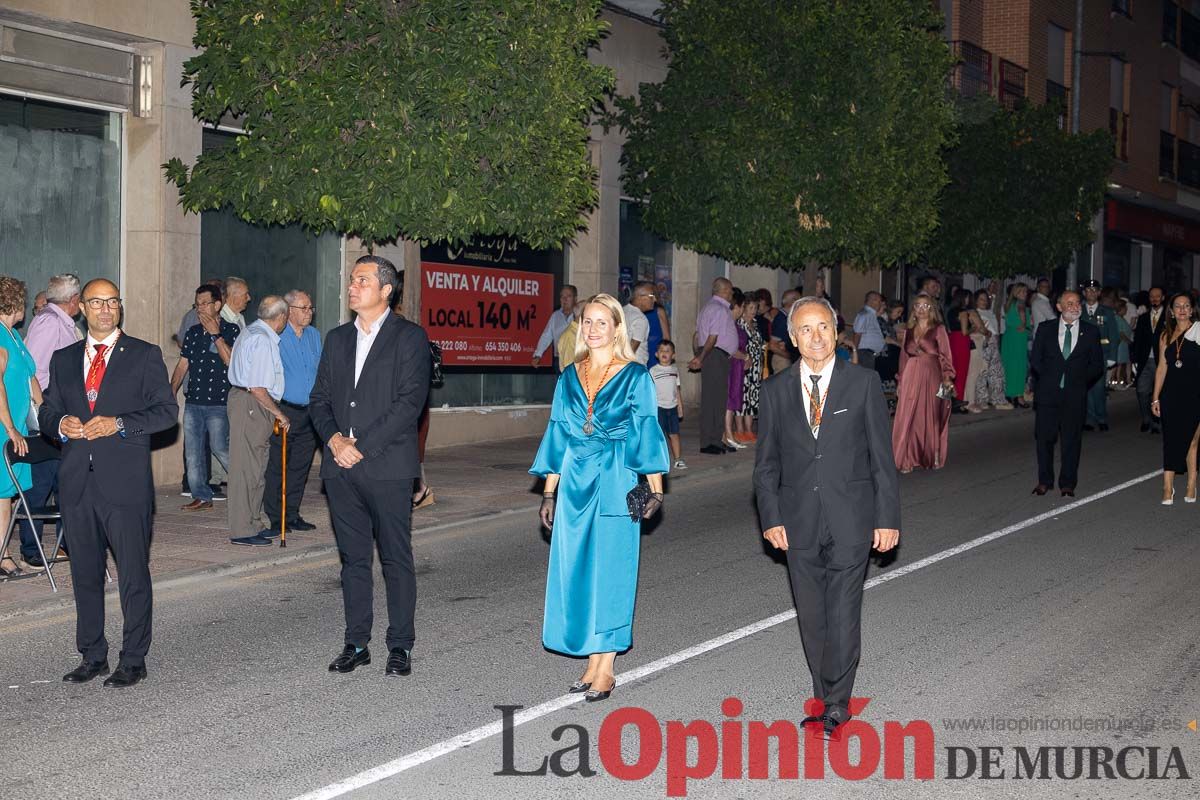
943,346
549,459
646,448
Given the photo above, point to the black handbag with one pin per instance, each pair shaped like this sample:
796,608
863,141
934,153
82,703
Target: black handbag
637,499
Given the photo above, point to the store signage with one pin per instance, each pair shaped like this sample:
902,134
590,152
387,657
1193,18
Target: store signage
1154,225
485,316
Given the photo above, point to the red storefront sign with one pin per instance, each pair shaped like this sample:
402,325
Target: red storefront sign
484,316
1154,225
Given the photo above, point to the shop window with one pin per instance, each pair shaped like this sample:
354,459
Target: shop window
643,256
273,259
60,207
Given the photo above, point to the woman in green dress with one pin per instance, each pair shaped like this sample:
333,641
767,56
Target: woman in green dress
18,387
1014,345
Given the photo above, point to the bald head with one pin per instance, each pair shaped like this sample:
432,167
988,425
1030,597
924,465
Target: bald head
101,307
722,287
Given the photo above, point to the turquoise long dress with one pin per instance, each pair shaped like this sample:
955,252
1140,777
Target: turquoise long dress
592,579
17,375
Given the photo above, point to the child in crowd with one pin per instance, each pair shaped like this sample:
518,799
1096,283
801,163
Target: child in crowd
670,402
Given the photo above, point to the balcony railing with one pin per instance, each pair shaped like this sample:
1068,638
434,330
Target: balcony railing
1118,126
1189,164
1166,154
972,75
1011,84
1170,23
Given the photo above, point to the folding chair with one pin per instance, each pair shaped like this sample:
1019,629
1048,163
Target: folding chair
39,450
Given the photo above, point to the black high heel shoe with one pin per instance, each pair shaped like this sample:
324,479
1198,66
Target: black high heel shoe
579,686
595,696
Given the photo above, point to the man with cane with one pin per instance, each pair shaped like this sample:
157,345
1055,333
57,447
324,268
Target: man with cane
300,352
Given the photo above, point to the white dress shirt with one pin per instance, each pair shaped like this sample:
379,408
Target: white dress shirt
559,322
365,339
89,352
638,328
806,374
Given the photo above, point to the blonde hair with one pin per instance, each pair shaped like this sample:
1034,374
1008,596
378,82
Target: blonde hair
935,313
621,348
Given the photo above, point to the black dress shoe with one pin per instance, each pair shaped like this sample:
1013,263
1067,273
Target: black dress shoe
1089,427
350,659
34,560
125,676
831,728
299,524
808,720
1068,492
1145,427
399,662
86,671
1103,427
713,450
1041,489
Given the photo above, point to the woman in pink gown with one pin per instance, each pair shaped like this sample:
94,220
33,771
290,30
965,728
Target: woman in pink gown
921,429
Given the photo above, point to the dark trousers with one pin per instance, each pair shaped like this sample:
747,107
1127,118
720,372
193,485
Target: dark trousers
1052,422
301,445
366,515
827,587
45,483
1145,388
1097,401
96,525
714,395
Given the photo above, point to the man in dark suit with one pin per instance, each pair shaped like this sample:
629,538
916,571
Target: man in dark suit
107,394
1144,355
1067,359
827,493
370,392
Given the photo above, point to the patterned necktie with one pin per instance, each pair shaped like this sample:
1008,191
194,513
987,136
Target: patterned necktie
95,376
1066,354
814,404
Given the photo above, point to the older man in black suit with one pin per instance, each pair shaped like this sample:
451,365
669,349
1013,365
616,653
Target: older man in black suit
1066,360
827,493
106,395
371,386
1144,354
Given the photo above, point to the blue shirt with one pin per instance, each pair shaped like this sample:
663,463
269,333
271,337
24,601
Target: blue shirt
255,360
208,379
300,356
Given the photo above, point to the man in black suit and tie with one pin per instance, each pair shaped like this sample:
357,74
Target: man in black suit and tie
370,392
1144,354
1065,361
106,395
827,493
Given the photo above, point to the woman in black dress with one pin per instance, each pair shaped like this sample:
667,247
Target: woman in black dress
1176,398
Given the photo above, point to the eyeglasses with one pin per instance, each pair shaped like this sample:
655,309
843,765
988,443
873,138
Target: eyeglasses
202,305
303,308
924,306
97,303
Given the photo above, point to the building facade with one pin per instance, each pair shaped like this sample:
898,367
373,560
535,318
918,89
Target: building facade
91,106
1140,80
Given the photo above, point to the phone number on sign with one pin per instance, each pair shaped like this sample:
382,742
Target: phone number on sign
459,346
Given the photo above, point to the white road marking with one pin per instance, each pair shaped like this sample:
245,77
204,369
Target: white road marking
392,768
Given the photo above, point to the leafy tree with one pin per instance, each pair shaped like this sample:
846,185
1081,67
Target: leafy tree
786,132
438,119
1022,191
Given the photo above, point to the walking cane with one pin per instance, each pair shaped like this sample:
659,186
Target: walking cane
282,432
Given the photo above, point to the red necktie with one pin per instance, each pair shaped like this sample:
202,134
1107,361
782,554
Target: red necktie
95,376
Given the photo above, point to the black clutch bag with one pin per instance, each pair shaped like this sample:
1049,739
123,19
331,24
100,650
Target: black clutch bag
636,500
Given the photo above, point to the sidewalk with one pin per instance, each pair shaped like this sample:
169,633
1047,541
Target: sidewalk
470,482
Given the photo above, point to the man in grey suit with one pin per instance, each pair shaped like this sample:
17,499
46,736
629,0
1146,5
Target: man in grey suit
827,493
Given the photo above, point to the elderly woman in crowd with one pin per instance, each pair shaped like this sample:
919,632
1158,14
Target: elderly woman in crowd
603,434
921,431
750,342
18,388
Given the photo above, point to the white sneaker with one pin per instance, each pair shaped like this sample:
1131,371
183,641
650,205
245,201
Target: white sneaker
680,464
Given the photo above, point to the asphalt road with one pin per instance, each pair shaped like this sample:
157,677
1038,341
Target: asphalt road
1088,617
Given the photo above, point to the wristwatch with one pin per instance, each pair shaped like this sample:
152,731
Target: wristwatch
120,427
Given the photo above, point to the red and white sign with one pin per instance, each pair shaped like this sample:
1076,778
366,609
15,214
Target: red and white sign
484,316
1148,223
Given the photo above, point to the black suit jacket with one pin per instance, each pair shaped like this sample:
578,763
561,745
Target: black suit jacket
1145,338
847,474
1082,369
136,389
385,407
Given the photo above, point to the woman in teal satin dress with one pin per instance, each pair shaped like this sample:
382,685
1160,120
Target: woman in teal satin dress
17,387
603,434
